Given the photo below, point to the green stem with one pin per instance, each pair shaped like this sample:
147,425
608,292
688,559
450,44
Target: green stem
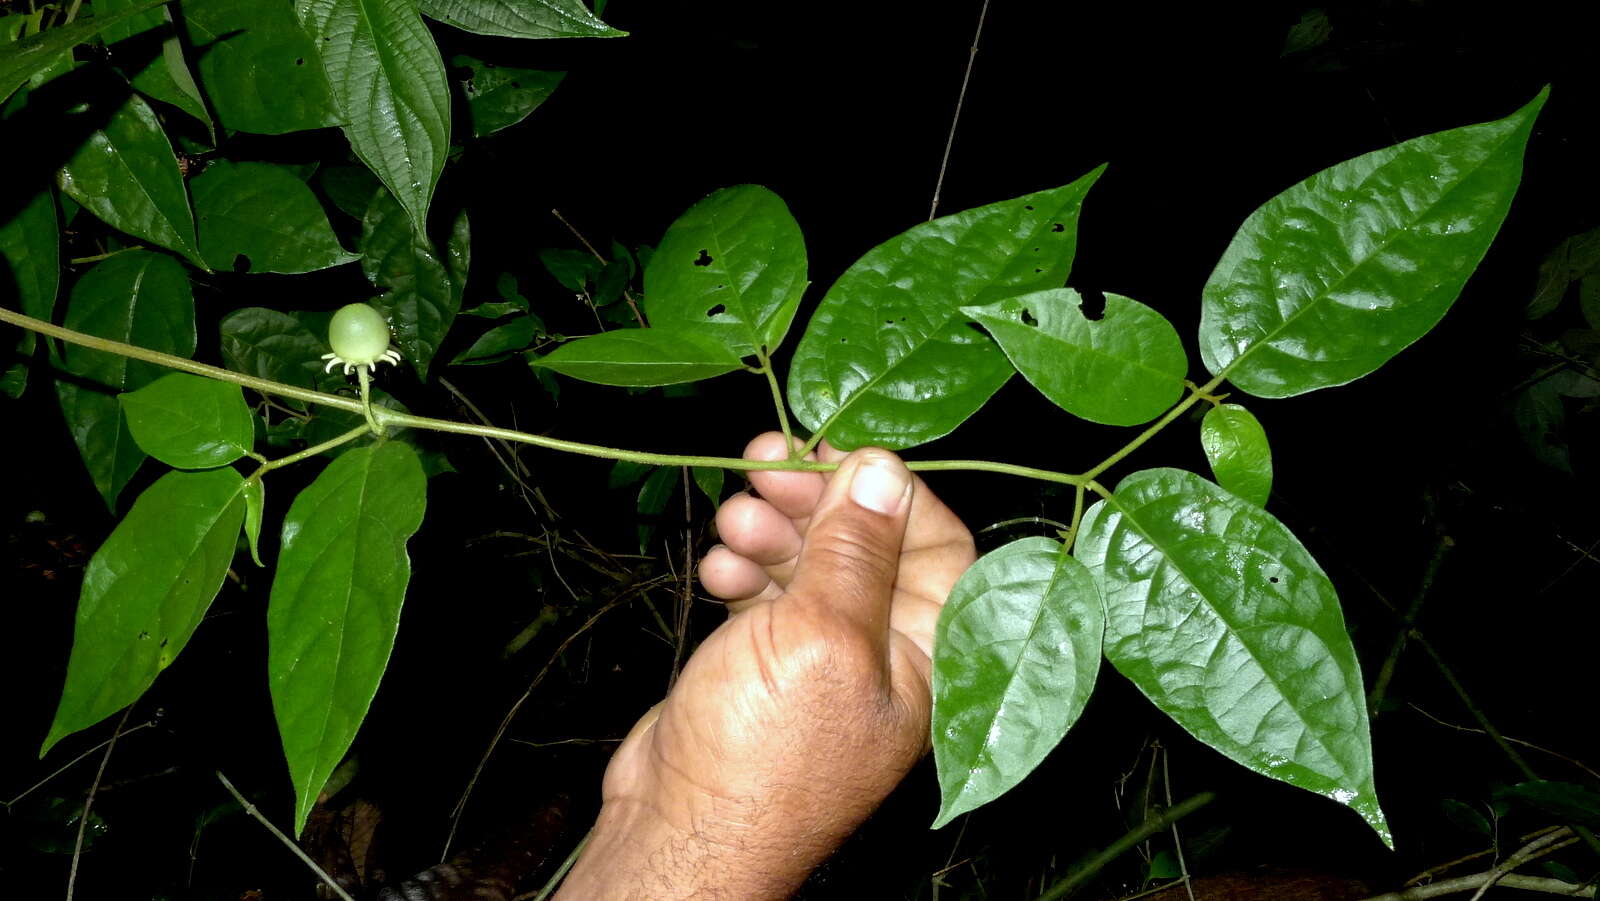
1195,395
313,450
364,376
777,403
1071,534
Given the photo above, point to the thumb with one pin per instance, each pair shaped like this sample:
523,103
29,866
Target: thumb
851,553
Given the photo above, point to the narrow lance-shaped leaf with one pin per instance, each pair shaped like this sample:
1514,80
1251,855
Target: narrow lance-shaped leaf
1237,447
263,74
164,76
30,243
335,604
1124,367
255,502
190,422
1222,618
31,55
255,217
733,267
889,358
520,18
1015,659
126,174
641,357
144,592
1328,280
420,299
389,84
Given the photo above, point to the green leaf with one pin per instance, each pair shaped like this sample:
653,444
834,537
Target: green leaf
641,357
733,266
1571,803
419,299
653,497
262,72
389,84
94,417
1222,618
889,358
349,187
276,346
1125,367
144,592
32,55
166,77
138,297
520,18
627,472
125,173
1328,280
1016,653
1237,448
255,502
1575,259
499,97
1541,420
572,268
189,422
335,604
709,480
458,256
30,244
500,342
265,215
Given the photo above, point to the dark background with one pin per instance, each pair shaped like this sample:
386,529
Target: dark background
843,110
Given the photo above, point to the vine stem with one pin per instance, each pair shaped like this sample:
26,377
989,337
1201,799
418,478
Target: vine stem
777,403
1195,394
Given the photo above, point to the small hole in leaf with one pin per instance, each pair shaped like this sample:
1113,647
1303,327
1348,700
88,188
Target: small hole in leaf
1058,227
844,340
1028,207
144,636
1037,270
704,259
1027,317
516,84
716,310
163,643
300,61
1093,306
1036,250
241,263
1273,580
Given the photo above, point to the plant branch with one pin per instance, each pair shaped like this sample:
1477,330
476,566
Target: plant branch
777,403
287,841
88,801
1149,827
1195,394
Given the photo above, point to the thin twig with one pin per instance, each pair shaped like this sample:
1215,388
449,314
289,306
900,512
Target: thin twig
1468,883
1138,834
1593,774
1177,841
88,801
74,762
955,118
286,840
1540,847
1380,685
638,316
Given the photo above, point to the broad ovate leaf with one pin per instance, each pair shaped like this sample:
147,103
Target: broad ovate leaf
256,217
1124,367
335,604
1222,618
641,357
733,266
166,76
1237,447
137,297
1014,662
144,592
420,298
190,422
389,85
520,18
261,70
889,358
1328,280
126,174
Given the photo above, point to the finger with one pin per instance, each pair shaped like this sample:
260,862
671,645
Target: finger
756,529
794,494
732,577
852,547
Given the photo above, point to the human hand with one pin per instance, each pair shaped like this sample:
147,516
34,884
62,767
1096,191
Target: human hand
798,715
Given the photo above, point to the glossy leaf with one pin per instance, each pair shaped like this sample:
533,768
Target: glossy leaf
277,346
255,502
1237,448
501,342
125,173
1328,280
1569,802
190,422
1125,367
458,257
499,97
1016,653
520,18
335,604
388,83
261,70
138,297
641,357
889,358
94,417
256,217
733,266
419,299
165,77
349,187
30,245
32,55
709,480
1222,618
144,592
572,268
